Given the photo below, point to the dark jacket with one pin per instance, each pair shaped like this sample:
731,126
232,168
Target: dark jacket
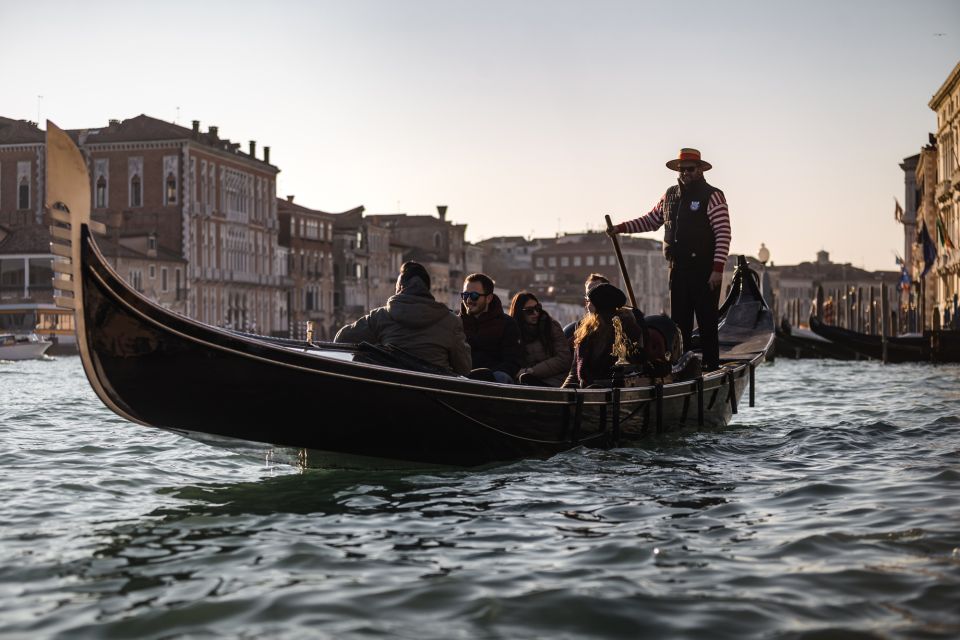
550,369
494,339
592,358
418,324
688,240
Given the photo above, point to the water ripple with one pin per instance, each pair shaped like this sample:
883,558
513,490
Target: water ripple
830,510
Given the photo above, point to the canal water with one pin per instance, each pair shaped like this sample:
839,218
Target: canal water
830,510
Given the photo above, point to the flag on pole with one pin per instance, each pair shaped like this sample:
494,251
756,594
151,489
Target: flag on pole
897,259
942,233
904,279
929,249
897,211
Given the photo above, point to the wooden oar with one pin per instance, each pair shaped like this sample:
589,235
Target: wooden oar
623,265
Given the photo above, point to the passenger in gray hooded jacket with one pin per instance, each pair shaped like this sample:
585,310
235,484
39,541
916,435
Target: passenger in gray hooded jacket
415,322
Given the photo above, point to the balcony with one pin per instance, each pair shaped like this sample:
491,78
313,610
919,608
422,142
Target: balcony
944,189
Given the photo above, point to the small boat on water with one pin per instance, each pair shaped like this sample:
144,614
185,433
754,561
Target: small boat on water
347,403
22,347
930,346
796,343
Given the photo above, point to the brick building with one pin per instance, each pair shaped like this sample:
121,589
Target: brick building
509,260
207,201
22,166
439,245
365,265
307,235
561,268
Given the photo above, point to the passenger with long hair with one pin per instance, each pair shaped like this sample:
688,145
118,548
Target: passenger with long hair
604,325
571,328
547,353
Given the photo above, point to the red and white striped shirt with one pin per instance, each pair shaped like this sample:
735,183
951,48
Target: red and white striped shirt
717,214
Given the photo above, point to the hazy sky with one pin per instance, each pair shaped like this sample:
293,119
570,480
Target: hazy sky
525,117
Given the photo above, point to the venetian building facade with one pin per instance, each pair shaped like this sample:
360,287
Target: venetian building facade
22,167
925,199
206,200
353,253
439,245
946,104
509,260
307,236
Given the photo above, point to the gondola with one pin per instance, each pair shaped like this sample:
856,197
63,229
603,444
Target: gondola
940,345
898,349
353,404
801,344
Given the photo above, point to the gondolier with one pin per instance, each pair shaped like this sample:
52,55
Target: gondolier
696,242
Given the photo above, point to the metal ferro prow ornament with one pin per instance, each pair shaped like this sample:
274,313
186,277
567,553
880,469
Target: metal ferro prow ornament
68,201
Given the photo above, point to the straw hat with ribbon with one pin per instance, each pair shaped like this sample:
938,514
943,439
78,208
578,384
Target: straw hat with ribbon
688,155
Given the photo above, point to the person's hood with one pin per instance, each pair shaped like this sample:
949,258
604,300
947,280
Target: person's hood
416,310
495,309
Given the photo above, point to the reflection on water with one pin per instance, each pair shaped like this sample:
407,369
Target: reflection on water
831,510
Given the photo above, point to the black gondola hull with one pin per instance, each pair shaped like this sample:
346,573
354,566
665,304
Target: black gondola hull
161,369
164,370
898,349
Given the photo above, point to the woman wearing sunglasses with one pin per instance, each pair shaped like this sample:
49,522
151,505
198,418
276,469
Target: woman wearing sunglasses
546,350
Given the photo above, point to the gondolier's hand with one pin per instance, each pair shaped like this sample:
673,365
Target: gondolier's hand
716,279
612,230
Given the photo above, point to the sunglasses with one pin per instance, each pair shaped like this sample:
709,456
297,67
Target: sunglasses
471,295
532,310
687,169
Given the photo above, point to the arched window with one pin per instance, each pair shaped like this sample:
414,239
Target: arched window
171,190
101,192
136,195
436,240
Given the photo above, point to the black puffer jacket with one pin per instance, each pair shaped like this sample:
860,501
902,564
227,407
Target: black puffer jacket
494,338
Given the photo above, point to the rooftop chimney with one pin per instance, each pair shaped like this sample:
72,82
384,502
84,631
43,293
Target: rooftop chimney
442,211
213,131
289,198
196,128
266,155
253,148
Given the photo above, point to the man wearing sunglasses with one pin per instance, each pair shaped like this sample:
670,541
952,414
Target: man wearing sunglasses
493,336
696,242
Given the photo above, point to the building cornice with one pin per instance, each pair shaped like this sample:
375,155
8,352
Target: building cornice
192,145
31,146
946,89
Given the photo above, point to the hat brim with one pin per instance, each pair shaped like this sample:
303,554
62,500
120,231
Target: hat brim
674,165
607,296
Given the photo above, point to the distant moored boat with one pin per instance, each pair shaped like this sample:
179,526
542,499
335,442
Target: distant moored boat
28,347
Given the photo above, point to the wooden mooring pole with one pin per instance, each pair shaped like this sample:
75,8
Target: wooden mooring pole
884,319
